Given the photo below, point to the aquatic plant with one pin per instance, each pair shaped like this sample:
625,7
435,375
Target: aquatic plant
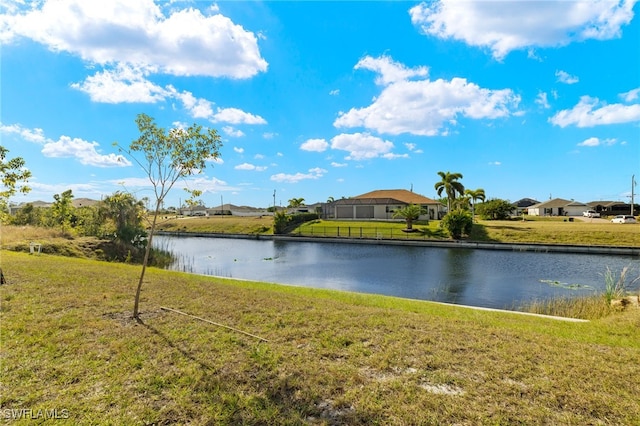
616,286
567,286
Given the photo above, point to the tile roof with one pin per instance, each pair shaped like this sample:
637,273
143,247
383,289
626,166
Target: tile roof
403,195
557,202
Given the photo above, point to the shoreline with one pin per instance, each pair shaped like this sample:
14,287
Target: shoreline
521,247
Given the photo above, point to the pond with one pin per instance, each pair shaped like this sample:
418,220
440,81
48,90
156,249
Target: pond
485,278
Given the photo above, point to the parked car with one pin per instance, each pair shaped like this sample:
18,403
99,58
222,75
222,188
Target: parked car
591,213
624,218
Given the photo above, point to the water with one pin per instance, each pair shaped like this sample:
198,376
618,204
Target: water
486,278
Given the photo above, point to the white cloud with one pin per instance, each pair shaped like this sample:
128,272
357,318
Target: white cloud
130,85
591,112
631,95
318,171
238,150
495,163
236,116
30,135
392,156
85,152
390,71
315,173
531,54
122,85
251,167
180,125
541,100
91,189
361,146
234,133
66,147
565,77
413,148
212,185
334,164
504,26
591,142
425,107
335,92
137,33
315,145
269,135
197,107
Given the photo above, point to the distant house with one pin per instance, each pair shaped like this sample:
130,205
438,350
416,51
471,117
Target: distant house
557,207
314,208
76,202
233,210
14,208
522,205
613,208
194,211
382,204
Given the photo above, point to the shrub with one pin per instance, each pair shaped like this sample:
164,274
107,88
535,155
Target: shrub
282,222
495,209
457,223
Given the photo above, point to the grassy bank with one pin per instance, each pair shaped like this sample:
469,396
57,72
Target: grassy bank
331,358
53,241
555,231
220,224
540,230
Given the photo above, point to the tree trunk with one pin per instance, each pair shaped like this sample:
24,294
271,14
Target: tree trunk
136,305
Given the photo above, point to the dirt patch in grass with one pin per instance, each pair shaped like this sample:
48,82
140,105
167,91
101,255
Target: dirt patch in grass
126,319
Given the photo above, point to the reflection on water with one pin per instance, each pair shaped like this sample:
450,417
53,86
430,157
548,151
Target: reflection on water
494,279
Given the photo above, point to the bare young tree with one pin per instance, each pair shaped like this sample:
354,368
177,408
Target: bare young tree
167,157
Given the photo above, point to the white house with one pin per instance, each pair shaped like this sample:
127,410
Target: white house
557,207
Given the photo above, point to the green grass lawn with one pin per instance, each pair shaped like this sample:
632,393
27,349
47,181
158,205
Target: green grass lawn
555,231
68,344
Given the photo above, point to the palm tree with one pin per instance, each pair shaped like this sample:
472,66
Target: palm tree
410,213
450,185
477,194
296,202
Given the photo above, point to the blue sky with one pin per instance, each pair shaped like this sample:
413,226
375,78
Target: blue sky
532,99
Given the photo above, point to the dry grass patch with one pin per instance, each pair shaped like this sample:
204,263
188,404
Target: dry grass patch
332,357
560,232
219,224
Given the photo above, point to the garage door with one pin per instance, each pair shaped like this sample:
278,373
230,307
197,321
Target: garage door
364,212
344,212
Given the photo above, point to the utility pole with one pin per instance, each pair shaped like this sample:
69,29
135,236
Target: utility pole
274,200
633,183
